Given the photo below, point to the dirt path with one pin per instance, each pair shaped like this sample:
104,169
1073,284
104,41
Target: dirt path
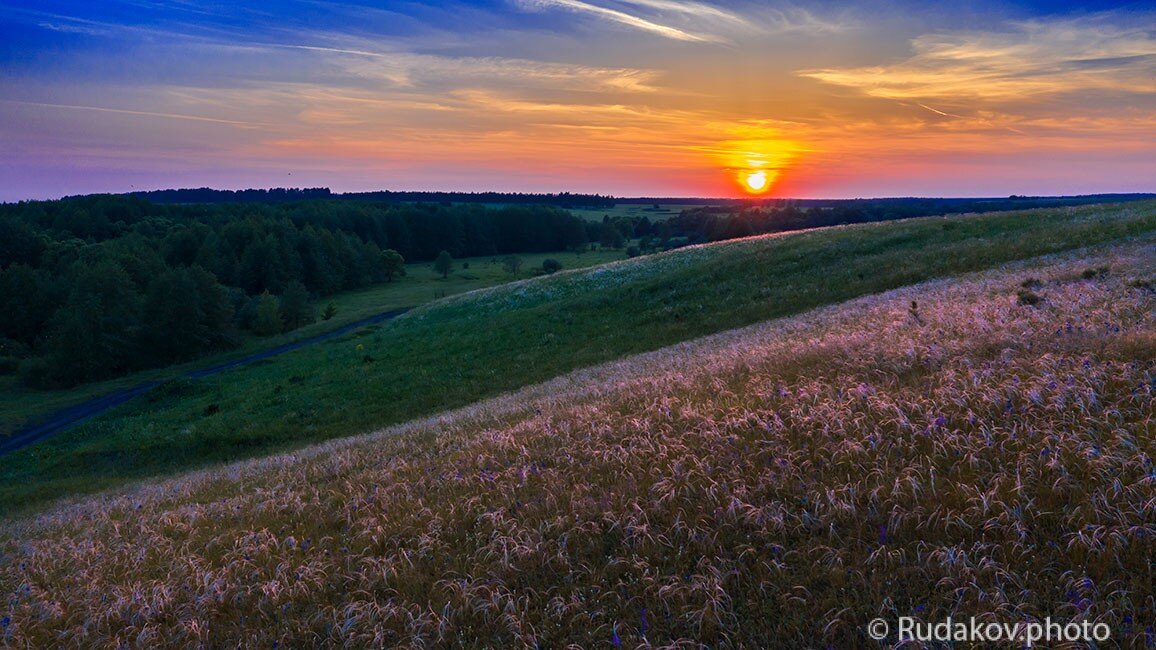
39,428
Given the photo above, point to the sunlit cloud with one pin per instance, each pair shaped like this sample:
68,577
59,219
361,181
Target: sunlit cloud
1029,59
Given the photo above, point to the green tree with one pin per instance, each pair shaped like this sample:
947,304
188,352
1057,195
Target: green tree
96,333
574,235
551,265
611,236
394,264
330,311
186,313
268,319
295,308
512,263
444,263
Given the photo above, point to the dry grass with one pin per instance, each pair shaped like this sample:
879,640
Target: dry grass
942,449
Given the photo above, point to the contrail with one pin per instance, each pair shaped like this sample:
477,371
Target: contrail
939,112
123,111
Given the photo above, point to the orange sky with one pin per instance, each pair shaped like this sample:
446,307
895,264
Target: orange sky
633,97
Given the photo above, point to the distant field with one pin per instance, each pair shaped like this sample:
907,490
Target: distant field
973,447
420,285
663,212
457,351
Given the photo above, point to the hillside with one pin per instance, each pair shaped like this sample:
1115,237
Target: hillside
980,446
454,352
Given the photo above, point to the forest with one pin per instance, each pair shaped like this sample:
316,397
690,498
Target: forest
95,287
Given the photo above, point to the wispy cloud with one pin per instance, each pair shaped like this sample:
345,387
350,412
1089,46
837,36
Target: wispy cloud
408,69
693,9
624,18
1029,59
125,111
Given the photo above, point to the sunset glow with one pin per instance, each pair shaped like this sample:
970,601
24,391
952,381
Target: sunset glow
626,97
756,181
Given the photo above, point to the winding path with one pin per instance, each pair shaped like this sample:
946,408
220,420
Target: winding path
38,429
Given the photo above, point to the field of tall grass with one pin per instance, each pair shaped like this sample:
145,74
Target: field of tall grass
981,446
456,351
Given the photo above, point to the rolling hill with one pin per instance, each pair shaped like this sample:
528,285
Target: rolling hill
969,447
456,351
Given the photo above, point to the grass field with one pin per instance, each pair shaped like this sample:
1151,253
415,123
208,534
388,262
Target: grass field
976,447
420,285
457,351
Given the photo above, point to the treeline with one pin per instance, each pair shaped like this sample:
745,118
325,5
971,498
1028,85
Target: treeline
98,286
284,195
560,199
709,224
207,195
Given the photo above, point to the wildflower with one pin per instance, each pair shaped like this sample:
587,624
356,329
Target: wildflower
614,638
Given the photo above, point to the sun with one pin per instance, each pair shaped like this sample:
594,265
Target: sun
756,181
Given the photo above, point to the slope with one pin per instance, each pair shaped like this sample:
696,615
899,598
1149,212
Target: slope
456,351
979,447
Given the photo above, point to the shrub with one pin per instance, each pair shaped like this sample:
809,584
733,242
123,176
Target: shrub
551,265
9,365
512,263
1027,297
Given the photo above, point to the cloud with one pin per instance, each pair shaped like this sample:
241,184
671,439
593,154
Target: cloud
625,18
124,111
1029,59
408,69
693,9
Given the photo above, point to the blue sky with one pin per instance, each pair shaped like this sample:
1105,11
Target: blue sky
630,97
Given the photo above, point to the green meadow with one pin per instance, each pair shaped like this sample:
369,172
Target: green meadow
421,284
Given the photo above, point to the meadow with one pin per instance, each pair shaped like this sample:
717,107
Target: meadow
662,212
455,351
972,446
421,284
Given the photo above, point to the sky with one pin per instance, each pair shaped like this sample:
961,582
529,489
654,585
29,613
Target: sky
621,97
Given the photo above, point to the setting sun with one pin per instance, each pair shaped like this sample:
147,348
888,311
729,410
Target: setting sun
756,181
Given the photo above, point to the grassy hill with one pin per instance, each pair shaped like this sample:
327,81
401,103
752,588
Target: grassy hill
420,285
454,352
965,447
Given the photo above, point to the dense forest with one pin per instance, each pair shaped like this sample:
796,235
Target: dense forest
282,195
93,287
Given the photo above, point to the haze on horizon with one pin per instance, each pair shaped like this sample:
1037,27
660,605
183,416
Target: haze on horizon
624,97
